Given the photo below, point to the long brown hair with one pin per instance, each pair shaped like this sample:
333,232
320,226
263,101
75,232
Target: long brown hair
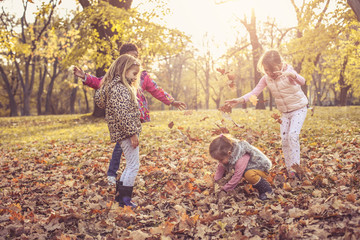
270,59
118,70
221,146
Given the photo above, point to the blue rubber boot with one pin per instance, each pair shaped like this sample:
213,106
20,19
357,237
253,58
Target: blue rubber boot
124,196
118,195
263,187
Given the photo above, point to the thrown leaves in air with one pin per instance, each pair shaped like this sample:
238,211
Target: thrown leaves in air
231,81
222,71
253,99
277,117
225,109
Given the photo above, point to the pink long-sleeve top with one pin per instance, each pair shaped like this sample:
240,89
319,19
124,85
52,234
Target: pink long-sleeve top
262,83
240,167
146,84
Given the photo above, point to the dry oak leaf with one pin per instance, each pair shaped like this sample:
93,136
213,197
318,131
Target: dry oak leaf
231,77
164,229
351,197
231,81
127,210
253,99
219,131
221,70
139,235
171,124
225,109
277,117
287,186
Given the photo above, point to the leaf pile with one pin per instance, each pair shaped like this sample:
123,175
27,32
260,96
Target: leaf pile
54,185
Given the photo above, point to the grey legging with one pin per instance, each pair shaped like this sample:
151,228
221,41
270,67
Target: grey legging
132,163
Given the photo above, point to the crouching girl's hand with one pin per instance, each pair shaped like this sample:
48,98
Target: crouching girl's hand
221,194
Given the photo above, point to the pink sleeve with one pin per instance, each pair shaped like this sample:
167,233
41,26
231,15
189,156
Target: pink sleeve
157,92
219,172
298,79
257,90
92,81
240,167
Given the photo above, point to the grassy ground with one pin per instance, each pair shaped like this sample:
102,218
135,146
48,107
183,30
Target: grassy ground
53,171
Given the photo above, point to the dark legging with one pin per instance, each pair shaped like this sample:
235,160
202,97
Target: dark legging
115,160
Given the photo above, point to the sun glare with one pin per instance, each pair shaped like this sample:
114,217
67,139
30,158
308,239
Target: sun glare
220,19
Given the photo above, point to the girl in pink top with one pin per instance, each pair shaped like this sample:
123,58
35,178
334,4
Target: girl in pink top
245,159
285,85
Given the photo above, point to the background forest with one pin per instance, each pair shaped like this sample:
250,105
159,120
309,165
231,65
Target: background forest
37,56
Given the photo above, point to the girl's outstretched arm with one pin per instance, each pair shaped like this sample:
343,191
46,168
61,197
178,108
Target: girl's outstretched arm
235,101
219,172
157,92
240,167
87,79
257,90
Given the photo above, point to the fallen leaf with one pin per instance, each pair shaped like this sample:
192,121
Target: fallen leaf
164,229
351,197
286,186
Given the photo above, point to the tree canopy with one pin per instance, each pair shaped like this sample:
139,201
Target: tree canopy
37,56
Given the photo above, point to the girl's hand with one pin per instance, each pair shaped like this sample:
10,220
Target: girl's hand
78,72
235,101
286,74
221,194
134,141
179,105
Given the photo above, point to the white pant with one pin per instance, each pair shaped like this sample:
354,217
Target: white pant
290,130
132,163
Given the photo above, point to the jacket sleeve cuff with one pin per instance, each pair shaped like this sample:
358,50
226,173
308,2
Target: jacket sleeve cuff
84,80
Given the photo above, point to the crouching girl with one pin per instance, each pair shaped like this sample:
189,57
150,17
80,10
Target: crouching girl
245,159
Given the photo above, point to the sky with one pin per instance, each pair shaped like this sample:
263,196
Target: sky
221,20
216,18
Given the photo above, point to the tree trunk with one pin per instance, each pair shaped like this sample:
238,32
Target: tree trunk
26,86
86,101
207,85
42,77
11,95
48,104
27,81
355,6
256,53
344,88
73,97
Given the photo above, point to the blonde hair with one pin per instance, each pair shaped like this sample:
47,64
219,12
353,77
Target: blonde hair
270,59
220,146
117,72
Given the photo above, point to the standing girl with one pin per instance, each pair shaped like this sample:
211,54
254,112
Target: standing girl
117,95
147,84
284,83
245,159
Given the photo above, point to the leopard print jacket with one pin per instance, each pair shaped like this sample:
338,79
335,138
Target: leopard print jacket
121,113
